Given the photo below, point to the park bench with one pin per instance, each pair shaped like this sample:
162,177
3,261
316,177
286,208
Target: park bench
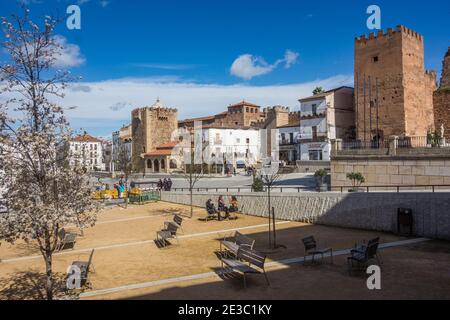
66,239
238,240
248,261
169,232
310,245
211,214
360,256
85,267
177,221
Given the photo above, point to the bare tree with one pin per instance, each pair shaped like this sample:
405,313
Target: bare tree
43,193
192,174
270,175
123,164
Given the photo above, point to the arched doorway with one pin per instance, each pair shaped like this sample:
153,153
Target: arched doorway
156,166
149,164
163,164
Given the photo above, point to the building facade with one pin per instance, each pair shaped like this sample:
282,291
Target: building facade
239,147
151,127
325,116
122,143
289,143
87,151
393,91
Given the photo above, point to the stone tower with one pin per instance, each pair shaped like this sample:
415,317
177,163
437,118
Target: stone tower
393,91
445,78
274,117
151,127
441,100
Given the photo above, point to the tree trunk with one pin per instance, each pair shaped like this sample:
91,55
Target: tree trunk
270,218
191,202
49,275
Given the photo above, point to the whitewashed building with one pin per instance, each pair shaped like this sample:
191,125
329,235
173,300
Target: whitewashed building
87,151
325,116
289,143
238,146
122,142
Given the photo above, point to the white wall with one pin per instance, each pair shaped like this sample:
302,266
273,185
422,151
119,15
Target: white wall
233,141
90,154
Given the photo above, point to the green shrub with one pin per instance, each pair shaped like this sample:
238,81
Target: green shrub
356,178
258,185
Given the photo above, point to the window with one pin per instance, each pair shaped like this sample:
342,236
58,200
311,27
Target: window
238,140
314,133
375,59
247,140
247,110
314,108
315,155
291,137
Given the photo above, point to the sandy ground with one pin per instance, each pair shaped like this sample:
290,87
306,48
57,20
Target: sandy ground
125,255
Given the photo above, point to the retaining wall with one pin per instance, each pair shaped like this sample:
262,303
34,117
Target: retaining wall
369,211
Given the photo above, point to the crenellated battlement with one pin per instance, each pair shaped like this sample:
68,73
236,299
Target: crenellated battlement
382,35
276,109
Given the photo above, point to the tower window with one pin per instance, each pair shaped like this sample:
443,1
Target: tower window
375,59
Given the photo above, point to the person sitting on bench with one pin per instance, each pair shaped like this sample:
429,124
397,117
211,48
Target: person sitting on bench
222,207
233,204
211,209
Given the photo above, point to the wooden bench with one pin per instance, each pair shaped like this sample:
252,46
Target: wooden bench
238,240
85,267
248,261
177,221
311,249
164,235
363,254
66,238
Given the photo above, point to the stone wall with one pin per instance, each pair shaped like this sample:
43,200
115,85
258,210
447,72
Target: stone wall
369,211
441,99
393,170
311,166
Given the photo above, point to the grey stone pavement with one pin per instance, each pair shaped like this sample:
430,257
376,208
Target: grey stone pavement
293,180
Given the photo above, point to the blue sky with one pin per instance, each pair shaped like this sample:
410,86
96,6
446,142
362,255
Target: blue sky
130,52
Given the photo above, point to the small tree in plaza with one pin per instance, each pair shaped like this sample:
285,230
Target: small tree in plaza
270,175
43,193
124,165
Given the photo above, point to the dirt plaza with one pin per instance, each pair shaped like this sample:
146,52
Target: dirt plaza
128,264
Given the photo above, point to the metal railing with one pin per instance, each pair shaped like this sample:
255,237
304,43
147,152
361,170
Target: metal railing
396,188
342,189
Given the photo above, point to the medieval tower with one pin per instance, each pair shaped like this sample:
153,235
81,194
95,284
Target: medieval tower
393,91
151,127
441,100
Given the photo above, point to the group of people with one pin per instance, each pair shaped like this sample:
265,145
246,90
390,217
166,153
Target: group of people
222,207
120,187
165,185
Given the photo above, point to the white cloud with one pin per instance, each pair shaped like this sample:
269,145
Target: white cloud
104,106
290,58
69,56
248,66
104,100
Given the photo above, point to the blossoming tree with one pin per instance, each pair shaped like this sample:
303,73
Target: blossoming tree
42,192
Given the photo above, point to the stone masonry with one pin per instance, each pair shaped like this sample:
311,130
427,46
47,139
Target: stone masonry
441,99
392,87
151,127
368,211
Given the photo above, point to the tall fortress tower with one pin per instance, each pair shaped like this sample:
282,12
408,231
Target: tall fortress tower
150,128
393,91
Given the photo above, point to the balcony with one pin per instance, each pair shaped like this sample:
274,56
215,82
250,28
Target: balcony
319,137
